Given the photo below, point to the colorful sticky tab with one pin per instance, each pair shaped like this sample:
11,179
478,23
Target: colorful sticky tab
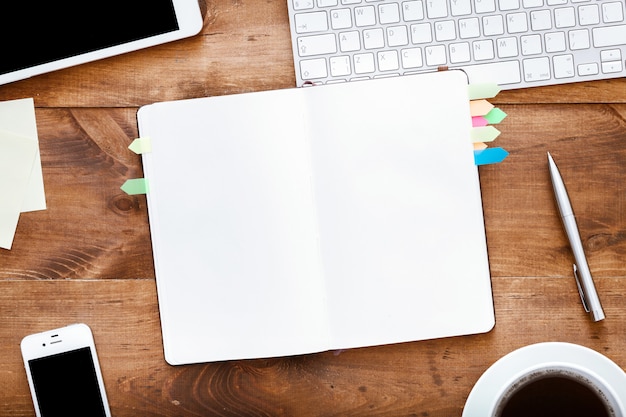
479,146
495,116
484,134
135,186
489,156
479,121
482,90
480,107
141,145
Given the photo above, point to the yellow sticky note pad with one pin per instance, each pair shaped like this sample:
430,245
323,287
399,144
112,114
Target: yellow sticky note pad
17,117
17,155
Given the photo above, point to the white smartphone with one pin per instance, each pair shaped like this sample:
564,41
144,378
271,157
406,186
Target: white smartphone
64,373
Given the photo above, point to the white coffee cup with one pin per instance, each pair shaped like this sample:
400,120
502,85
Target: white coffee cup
557,390
552,378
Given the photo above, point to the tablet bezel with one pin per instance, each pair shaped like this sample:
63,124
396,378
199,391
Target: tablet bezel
189,19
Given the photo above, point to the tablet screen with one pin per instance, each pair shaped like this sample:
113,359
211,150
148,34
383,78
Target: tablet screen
40,32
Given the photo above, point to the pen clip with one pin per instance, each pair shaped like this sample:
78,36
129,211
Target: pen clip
580,289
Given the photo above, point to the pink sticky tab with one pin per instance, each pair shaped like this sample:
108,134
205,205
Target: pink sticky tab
479,121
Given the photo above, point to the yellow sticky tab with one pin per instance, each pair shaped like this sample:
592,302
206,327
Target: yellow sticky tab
135,186
484,134
483,90
141,145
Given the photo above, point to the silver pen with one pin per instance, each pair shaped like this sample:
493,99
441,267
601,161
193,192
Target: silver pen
582,274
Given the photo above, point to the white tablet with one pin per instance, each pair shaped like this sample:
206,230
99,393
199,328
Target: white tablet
43,36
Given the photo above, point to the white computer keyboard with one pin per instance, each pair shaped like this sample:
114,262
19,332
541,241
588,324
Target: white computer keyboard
515,43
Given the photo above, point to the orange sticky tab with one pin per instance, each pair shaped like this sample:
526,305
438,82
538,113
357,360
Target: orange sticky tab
480,107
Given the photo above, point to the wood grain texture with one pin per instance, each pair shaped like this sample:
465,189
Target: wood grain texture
88,256
431,378
91,228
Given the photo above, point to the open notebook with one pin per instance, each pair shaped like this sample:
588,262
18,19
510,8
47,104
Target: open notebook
303,220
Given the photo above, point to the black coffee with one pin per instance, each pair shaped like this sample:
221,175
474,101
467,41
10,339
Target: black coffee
555,396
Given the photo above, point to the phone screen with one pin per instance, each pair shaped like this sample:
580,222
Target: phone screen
34,34
66,384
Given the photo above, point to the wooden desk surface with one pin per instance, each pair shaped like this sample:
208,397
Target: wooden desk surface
87,258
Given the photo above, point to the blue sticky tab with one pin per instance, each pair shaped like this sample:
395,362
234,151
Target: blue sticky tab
489,156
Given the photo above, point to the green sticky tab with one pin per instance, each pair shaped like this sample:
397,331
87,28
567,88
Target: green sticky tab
141,145
482,90
484,134
135,186
495,116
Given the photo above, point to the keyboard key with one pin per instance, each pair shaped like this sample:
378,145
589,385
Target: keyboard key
388,61
317,45
397,36
611,67
311,22
411,58
579,39
364,63
588,69
365,16
445,30
435,55
483,50
341,19
613,12
436,9
516,22
412,10
469,28
350,41
555,42
508,4
589,14
611,55
609,36
313,68
460,7
373,38
501,73
485,6
563,66
420,33
536,69
507,47
531,45
302,4
564,17
388,13
540,20
528,4
340,66
493,25
459,53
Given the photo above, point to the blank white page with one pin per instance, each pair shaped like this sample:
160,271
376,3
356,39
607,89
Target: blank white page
399,210
233,228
